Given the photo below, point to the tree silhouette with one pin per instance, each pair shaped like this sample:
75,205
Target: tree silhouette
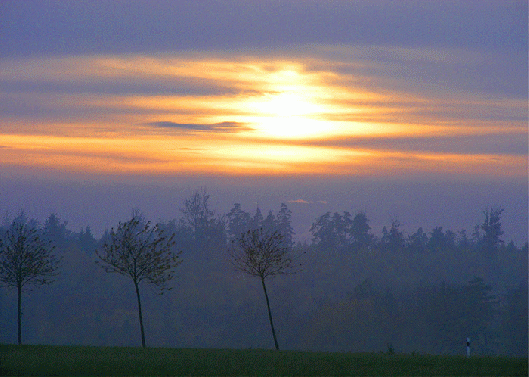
437,241
360,231
263,254
238,221
55,230
492,229
205,230
142,252
283,224
418,241
393,240
257,221
332,232
197,215
25,259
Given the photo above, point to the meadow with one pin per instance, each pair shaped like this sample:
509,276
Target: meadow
40,360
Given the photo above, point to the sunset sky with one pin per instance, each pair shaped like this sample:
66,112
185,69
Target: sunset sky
408,109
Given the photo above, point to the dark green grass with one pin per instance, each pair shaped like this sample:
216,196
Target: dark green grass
128,361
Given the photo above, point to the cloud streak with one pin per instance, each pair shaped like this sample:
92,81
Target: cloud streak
299,201
223,127
303,201
504,143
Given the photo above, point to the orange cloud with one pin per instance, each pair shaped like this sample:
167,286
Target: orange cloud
242,115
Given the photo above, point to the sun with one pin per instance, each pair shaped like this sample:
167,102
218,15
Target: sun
287,105
292,103
291,115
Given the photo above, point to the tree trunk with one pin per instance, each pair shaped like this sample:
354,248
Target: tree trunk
270,315
19,289
140,314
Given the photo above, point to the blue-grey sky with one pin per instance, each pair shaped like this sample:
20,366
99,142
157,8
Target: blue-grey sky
408,109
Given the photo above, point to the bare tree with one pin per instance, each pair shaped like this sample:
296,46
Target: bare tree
263,254
142,252
25,259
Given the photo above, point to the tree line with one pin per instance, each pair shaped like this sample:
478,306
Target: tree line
352,233
260,246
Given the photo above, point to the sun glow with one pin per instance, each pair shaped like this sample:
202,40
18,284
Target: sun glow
287,105
293,127
291,109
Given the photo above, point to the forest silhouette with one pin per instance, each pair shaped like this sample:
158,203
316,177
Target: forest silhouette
424,292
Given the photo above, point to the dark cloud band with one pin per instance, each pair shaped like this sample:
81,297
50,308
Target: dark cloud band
222,127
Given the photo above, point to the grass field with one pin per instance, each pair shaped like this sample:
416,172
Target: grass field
121,361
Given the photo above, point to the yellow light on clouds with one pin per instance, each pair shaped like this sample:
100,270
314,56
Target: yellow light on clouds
283,108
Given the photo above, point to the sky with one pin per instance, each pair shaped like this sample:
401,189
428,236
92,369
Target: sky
415,110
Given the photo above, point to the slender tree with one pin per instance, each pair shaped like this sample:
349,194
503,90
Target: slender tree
143,253
263,254
26,258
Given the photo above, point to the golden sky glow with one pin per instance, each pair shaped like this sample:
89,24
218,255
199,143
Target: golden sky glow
169,115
